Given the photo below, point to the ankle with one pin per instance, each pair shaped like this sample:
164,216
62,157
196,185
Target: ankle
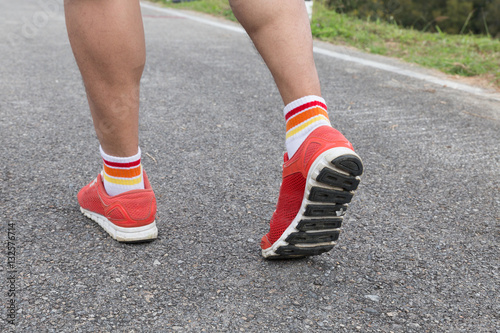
302,117
122,174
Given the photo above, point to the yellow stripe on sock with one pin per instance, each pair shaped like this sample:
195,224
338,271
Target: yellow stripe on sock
305,124
123,181
304,116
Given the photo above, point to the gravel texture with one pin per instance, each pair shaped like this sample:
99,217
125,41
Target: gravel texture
419,250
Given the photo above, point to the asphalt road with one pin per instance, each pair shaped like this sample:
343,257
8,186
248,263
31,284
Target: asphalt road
419,250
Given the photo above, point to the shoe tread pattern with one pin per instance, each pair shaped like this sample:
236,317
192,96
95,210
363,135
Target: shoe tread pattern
323,217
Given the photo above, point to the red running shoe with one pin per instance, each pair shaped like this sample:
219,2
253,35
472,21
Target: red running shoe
127,217
318,182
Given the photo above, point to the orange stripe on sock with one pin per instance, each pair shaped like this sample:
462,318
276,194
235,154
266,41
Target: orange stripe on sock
123,181
304,125
122,173
300,118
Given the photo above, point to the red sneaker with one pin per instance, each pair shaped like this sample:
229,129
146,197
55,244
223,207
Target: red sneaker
127,217
318,182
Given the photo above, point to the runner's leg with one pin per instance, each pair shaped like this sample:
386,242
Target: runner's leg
281,33
107,39
321,169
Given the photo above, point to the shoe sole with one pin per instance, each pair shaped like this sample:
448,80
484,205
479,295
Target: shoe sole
330,185
145,233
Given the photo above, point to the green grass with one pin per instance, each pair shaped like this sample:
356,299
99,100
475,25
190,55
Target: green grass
464,55
215,7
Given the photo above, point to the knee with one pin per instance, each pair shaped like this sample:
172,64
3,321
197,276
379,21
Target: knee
236,7
251,14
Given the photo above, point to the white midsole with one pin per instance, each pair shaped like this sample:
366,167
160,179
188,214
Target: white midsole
319,164
123,234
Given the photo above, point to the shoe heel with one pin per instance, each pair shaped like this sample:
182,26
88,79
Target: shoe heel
332,180
330,185
349,163
146,233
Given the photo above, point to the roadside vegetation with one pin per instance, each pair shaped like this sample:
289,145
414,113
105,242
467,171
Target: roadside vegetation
219,8
461,54
478,17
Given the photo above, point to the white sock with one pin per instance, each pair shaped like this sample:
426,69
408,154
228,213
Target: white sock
302,117
122,174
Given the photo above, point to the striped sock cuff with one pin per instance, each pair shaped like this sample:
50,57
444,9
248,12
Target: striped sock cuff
300,104
122,174
302,117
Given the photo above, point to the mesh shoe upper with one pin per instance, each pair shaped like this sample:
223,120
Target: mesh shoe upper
295,172
134,208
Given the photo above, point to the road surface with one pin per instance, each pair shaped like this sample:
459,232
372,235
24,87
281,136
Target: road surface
419,248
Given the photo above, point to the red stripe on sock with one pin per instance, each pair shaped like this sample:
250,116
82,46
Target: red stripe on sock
122,165
303,107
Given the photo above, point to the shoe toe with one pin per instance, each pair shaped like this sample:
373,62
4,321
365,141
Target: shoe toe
265,243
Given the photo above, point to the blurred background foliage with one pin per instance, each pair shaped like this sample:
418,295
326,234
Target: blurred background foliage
450,16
